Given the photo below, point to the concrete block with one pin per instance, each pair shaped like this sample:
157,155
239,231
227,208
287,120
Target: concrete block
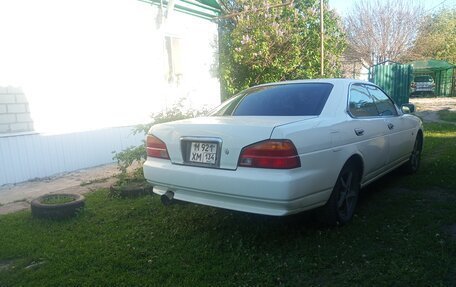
7,99
24,118
19,127
30,126
16,108
2,109
3,90
15,90
21,99
7,118
4,129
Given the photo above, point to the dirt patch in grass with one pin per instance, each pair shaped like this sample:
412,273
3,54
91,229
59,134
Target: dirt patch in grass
429,109
434,104
5,264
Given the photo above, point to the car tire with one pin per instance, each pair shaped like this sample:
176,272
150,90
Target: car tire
413,164
57,211
342,203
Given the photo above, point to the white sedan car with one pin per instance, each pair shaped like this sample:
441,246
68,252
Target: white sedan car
287,147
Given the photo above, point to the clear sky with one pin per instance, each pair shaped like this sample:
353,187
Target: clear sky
342,6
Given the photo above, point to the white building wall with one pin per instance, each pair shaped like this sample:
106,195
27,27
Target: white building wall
87,67
14,111
93,64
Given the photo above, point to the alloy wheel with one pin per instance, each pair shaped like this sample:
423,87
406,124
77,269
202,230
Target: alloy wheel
348,194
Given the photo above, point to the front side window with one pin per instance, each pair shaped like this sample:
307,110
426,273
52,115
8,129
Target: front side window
384,104
297,99
360,103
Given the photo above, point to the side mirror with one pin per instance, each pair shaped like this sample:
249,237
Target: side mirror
408,108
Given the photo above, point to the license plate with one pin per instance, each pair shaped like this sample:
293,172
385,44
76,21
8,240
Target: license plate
203,152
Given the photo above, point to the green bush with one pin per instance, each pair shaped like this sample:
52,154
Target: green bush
133,156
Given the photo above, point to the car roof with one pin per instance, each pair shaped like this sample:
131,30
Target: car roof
334,81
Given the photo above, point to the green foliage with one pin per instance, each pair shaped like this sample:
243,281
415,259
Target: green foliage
437,37
267,42
133,157
129,156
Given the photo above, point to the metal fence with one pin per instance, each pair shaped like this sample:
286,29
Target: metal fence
29,156
394,79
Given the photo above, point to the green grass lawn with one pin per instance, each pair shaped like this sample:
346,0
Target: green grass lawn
397,238
447,115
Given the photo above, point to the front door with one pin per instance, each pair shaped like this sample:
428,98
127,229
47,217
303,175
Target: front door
368,130
399,133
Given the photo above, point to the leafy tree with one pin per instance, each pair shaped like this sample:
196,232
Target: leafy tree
437,37
381,30
270,40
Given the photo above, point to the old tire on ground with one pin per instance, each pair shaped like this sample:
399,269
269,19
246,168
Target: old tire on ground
341,205
57,211
413,164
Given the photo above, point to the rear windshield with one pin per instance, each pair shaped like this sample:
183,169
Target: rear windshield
303,99
423,79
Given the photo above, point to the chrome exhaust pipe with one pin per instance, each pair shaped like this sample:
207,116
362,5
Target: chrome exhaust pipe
167,198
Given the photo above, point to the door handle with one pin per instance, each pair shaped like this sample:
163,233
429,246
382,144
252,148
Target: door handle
390,126
359,132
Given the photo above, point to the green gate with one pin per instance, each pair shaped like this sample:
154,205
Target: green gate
393,78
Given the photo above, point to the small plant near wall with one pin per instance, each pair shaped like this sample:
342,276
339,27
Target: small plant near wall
130,181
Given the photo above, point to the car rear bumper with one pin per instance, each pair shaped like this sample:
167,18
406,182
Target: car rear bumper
261,191
423,90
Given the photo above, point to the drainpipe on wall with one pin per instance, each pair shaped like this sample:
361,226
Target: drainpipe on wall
169,10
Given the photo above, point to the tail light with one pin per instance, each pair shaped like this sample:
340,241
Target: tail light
156,147
277,154
413,85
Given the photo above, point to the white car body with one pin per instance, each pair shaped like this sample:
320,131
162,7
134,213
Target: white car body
423,84
324,144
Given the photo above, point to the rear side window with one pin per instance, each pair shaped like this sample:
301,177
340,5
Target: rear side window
361,104
303,99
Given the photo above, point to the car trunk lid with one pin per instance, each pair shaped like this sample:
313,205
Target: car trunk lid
216,141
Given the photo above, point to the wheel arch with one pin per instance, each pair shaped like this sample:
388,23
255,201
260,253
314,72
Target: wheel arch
329,213
358,161
420,135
